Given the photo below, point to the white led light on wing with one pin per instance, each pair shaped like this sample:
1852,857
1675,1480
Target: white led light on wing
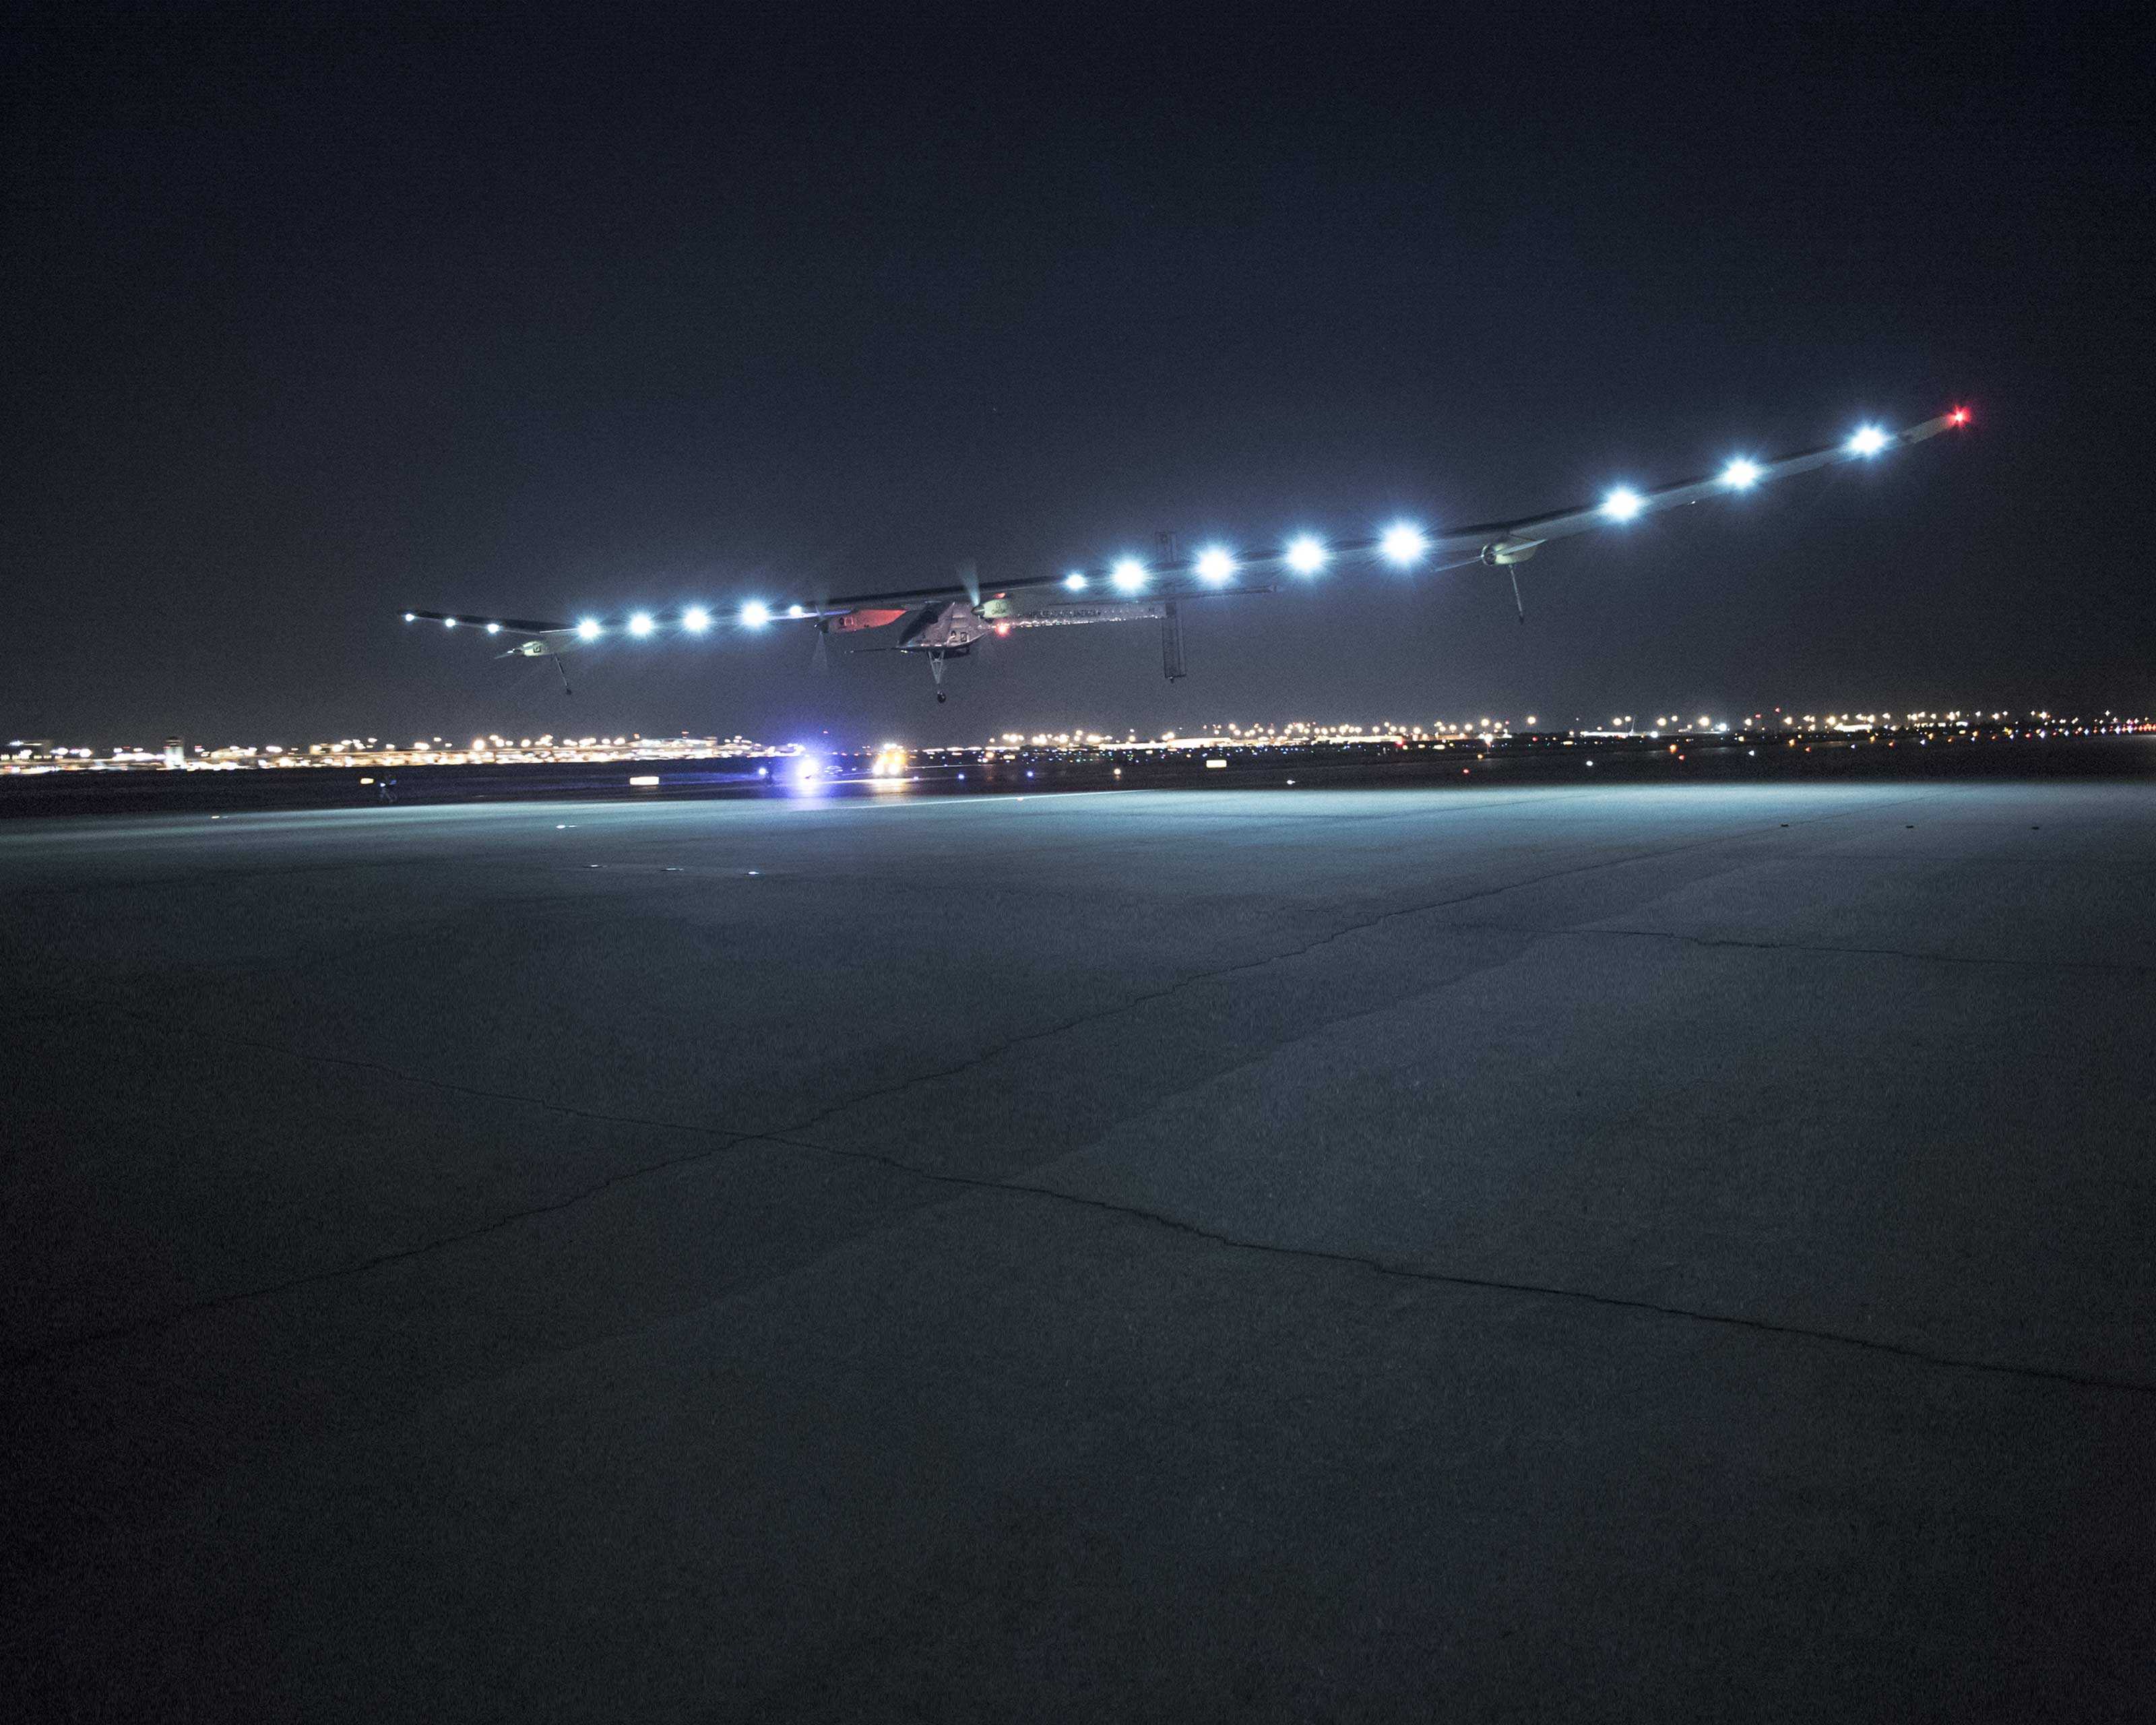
1741,475
640,624
588,630
1404,544
1306,556
1129,575
756,613
1075,581
1215,566
695,619
1869,440
1621,504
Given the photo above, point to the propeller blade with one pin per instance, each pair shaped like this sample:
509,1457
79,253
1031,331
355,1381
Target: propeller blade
969,578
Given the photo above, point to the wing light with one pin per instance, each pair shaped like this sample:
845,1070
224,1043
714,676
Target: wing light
411,616
1075,581
1214,565
1622,504
588,629
1307,555
493,628
1129,575
1869,440
1405,545
640,624
1741,475
756,613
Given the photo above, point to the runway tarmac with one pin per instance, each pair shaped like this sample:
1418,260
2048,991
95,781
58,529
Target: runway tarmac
1678,1253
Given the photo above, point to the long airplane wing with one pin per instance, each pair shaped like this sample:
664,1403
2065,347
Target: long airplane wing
1216,568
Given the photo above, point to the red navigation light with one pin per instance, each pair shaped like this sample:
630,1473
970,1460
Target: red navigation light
1958,417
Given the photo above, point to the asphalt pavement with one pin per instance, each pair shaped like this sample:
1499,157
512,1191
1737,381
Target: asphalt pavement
1529,1254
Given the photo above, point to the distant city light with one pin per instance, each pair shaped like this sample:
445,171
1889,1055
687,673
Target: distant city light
1306,556
588,630
1405,545
1741,475
1075,581
1622,504
1214,565
695,619
1869,440
1129,575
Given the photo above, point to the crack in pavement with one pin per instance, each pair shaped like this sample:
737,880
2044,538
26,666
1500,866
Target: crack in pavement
360,1267
1413,1272
730,1139
2111,967
996,1051
985,1056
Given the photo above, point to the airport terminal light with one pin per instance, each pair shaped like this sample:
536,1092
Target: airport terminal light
640,624
1869,440
1214,565
756,613
1306,556
1621,504
695,619
1129,575
1741,475
588,629
1075,581
1405,545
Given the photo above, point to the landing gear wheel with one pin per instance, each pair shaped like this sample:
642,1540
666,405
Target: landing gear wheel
940,695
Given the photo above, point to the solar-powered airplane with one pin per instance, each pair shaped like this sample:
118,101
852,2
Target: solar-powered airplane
943,621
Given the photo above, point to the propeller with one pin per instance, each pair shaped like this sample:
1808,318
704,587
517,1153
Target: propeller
969,578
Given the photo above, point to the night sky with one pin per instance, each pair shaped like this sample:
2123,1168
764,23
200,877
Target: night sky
554,312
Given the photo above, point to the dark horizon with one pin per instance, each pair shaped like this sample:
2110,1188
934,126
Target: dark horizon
316,323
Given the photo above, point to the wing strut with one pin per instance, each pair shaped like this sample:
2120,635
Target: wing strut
1171,642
